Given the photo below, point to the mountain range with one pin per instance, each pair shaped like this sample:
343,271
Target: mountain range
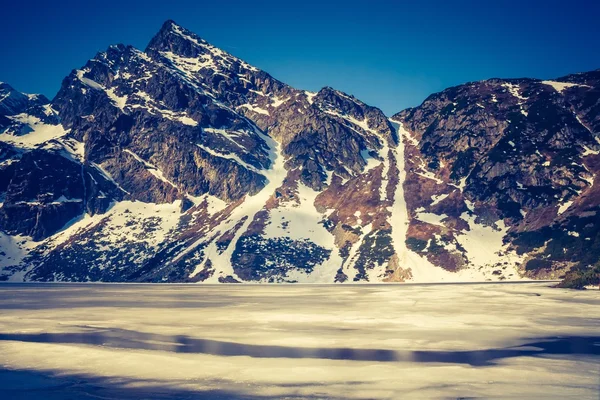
183,163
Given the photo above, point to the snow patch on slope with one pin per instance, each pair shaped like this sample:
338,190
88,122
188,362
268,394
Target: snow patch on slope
14,249
564,206
430,218
124,222
118,101
41,132
231,156
300,222
152,107
561,86
221,261
349,266
255,109
151,168
515,91
421,269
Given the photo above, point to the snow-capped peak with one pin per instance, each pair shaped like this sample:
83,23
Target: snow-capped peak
181,45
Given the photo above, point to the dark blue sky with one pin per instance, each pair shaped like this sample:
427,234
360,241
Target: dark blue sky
391,54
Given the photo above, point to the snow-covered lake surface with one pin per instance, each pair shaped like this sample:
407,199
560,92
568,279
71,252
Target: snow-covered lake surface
114,341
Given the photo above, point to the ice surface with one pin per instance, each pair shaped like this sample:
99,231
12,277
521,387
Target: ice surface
509,341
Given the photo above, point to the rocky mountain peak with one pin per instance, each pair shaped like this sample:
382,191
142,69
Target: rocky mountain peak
14,102
178,40
181,47
184,163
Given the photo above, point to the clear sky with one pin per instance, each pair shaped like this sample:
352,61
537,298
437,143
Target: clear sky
391,54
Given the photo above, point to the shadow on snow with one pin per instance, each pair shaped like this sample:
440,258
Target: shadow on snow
127,339
52,385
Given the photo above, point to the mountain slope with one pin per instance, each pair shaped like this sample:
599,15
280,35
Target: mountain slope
183,163
521,152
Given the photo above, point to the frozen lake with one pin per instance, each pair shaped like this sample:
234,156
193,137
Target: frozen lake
297,341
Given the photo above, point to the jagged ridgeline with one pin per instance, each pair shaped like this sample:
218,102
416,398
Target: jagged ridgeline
183,163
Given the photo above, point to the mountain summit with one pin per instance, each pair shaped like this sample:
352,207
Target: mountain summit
183,163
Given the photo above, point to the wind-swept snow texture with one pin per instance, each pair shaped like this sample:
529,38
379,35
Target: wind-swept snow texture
493,341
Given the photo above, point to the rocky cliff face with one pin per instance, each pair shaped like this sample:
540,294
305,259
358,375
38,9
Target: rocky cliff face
517,155
183,163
